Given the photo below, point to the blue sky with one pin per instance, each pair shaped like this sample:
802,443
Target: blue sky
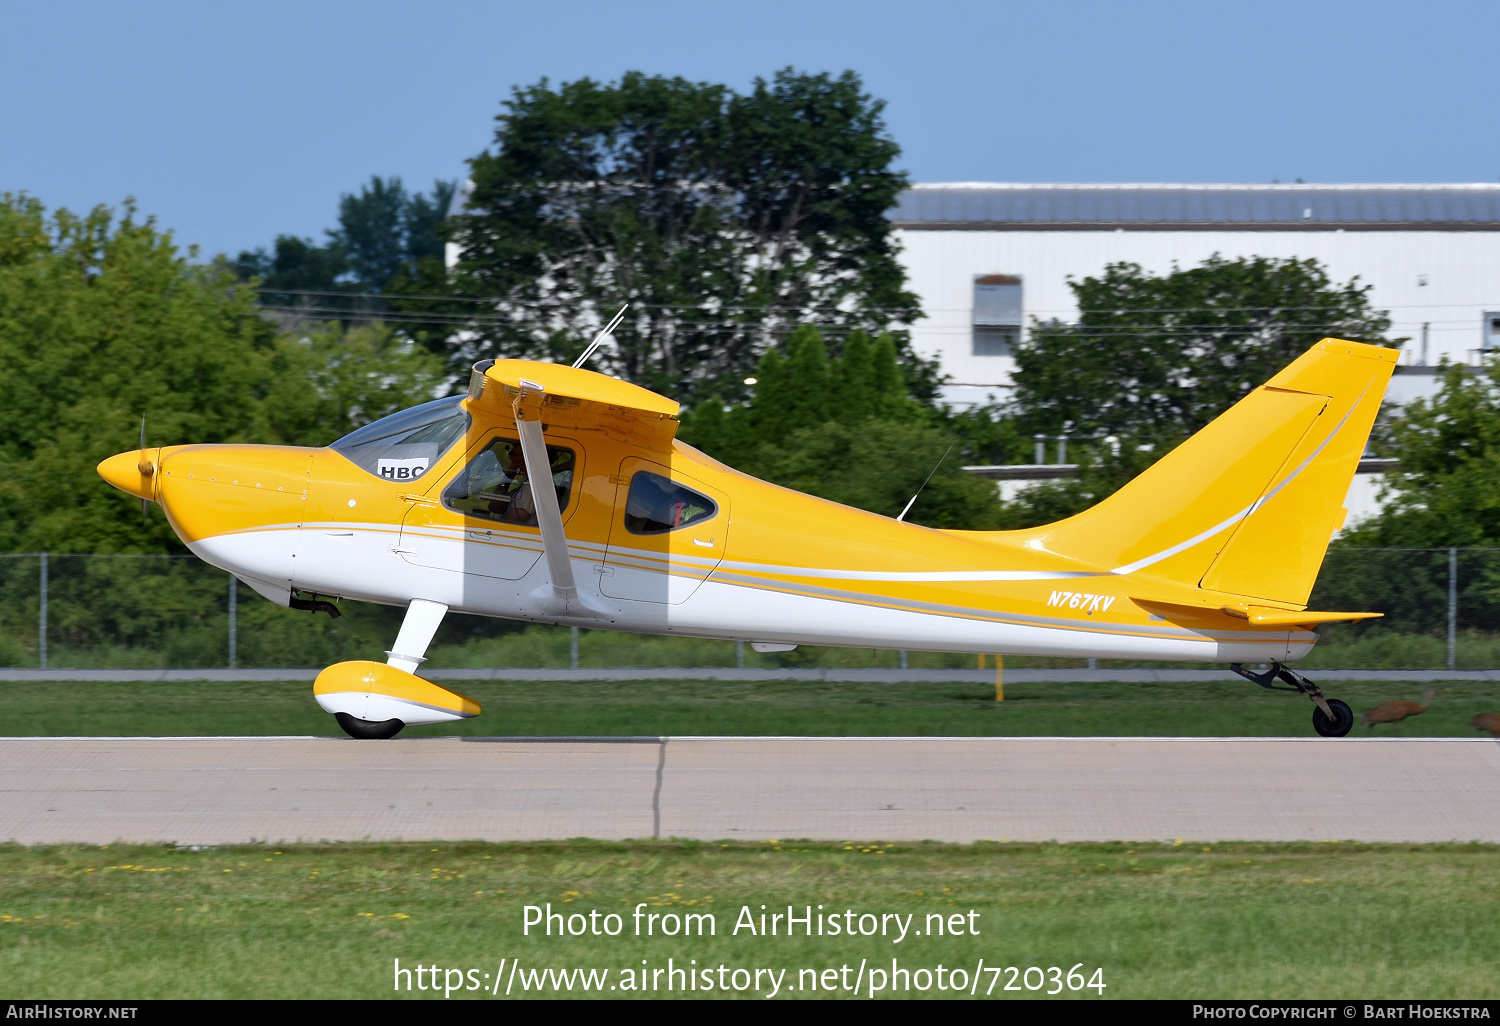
232,124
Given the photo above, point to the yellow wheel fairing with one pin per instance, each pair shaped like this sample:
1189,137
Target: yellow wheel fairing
375,692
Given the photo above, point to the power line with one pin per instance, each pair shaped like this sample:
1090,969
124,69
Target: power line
777,306
329,313
717,307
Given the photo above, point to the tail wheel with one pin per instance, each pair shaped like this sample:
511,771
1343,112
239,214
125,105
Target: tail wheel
1331,728
365,730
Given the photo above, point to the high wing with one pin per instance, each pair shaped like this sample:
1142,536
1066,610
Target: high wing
574,397
543,395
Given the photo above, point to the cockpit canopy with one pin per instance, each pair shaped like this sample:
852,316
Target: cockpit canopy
405,445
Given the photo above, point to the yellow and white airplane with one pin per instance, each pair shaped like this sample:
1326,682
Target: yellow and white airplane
1207,556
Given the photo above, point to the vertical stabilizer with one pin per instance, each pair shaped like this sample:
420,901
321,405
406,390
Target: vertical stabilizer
1245,508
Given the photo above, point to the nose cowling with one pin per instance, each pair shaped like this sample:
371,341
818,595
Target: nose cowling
132,472
210,490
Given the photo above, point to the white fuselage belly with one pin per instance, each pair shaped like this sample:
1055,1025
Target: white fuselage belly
366,563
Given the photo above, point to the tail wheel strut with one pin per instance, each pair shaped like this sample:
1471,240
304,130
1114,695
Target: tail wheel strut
1331,718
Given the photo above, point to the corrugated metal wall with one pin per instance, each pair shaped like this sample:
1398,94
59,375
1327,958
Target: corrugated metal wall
1462,271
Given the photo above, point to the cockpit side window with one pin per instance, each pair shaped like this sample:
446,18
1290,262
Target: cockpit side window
496,486
405,445
657,504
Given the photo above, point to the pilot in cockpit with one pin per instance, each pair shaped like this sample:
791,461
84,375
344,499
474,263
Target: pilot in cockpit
522,508
496,484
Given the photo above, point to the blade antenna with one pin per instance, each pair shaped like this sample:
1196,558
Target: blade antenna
924,485
599,338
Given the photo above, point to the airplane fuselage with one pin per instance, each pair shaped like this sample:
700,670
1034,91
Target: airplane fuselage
770,564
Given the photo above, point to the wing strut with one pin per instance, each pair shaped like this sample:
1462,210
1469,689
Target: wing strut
564,590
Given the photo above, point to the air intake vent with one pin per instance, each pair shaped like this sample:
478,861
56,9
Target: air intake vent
476,378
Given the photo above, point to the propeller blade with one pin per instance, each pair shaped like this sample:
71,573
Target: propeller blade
145,466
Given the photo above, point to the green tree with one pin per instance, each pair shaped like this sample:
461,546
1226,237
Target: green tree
386,232
387,240
371,231
1154,358
1446,490
327,382
798,386
293,266
879,465
844,428
102,320
723,219
989,435
422,222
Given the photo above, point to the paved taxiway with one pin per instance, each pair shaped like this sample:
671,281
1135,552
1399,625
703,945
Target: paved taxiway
228,790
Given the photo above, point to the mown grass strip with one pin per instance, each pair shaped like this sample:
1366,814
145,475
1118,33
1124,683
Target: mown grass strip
1177,921
1222,709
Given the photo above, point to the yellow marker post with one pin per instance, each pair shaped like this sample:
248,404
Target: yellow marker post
981,662
999,677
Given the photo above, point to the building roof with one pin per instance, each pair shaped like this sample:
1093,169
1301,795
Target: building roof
1008,206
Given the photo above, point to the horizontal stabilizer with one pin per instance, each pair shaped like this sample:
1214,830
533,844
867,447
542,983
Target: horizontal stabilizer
1257,616
1263,616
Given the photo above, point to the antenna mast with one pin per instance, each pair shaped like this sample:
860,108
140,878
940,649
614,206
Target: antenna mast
599,338
934,470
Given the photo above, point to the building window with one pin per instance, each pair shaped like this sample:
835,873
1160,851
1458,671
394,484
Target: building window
997,314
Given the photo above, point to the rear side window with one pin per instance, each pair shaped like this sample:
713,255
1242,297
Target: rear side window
657,504
405,445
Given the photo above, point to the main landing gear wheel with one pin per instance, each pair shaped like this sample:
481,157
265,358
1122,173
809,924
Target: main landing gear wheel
1337,727
365,730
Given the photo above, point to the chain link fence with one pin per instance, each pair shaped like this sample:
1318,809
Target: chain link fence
1441,606
114,612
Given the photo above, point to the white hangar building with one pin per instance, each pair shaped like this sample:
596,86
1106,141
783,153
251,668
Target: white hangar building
988,257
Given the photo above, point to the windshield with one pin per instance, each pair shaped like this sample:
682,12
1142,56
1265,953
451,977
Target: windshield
403,446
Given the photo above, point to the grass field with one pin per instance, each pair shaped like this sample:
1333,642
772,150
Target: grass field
1228,708
1227,920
